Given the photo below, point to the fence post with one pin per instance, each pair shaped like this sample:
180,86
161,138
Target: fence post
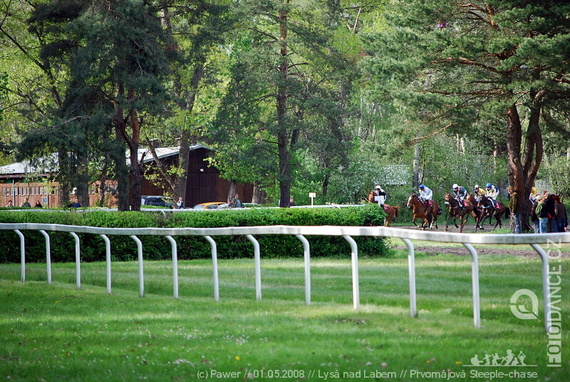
77,260
141,270
412,277
107,261
355,282
22,255
257,257
48,255
545,287
307,257
475,283
174,264
214,267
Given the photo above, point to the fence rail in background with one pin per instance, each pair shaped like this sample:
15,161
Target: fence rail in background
406,235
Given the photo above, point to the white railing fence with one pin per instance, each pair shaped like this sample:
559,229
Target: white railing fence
406,235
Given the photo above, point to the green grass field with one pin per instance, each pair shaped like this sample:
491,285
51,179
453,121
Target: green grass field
58,333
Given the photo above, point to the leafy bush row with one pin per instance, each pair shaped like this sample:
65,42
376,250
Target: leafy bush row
123,248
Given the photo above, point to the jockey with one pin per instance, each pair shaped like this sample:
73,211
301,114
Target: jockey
378,195
492,192
460,193
477,192
425,194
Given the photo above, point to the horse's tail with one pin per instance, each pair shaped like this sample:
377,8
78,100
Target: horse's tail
396,208
507,212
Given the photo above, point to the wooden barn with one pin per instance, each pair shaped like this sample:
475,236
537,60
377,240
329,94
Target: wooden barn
203,181
20,182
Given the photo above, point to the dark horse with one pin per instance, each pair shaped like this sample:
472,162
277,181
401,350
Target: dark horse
476,213
428,215
487,208
454,210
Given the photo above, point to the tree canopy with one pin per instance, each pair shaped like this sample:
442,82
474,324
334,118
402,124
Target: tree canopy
294,96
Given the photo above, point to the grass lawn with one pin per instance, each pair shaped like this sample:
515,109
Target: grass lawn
58,333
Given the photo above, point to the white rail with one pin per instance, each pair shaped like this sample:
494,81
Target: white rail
300,232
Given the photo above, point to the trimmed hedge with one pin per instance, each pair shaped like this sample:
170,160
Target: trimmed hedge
123,248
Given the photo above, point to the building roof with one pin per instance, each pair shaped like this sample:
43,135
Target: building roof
164,152
48,164
43,165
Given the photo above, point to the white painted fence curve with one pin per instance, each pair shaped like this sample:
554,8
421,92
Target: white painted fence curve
347,232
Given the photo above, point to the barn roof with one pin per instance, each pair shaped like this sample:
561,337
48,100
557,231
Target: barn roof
48,164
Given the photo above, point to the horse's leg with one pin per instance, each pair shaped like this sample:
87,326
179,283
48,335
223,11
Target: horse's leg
482,219
476,218
425,222
463,221
434,215
447,221
499,222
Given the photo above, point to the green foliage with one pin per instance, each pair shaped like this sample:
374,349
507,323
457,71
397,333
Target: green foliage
557,176
191,247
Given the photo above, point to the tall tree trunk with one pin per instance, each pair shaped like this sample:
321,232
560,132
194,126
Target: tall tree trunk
325,185
231,191
132,140
186,137
258,196
416,167
82,179
285,178
523,167
122,171
64,187
136,166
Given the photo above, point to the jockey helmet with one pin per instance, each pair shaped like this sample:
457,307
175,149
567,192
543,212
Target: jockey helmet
422,186
378,187
476,187
455,186
489,185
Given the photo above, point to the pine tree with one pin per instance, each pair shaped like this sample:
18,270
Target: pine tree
482,63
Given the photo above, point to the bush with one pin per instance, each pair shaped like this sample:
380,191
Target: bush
123,248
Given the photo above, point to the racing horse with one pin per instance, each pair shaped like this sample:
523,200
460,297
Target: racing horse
391,213
454,210
488,209
428,215
476,213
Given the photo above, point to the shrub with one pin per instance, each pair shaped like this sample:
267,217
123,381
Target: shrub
191,247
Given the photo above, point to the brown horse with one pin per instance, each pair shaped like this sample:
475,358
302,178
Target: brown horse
487,208
428,215
454,210
476,213
391,213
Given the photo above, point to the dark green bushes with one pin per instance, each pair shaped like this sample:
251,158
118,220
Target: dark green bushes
190,247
